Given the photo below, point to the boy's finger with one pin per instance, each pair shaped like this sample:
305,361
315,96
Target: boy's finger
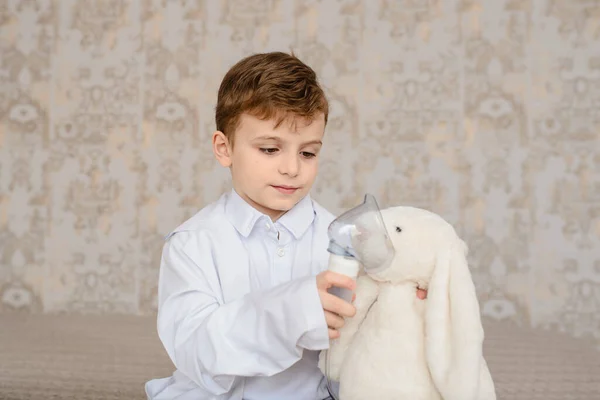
333,334
333,320
339,280
338,306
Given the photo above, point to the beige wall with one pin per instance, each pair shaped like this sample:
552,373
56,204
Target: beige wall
486,112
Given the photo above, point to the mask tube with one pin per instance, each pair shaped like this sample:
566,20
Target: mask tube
357,238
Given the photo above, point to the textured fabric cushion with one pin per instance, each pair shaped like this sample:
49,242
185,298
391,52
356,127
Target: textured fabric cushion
111,357
78,357
533,364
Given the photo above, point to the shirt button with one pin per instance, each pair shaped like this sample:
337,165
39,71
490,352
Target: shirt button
267,226
280,252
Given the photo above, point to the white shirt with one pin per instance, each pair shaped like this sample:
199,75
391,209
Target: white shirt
238,309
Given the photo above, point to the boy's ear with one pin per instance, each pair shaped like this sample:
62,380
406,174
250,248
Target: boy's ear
221,148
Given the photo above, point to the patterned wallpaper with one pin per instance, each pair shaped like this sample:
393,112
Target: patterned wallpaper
485,111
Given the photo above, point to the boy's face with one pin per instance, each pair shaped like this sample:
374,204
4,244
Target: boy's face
272,169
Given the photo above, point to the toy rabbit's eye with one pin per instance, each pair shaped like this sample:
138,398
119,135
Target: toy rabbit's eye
398,229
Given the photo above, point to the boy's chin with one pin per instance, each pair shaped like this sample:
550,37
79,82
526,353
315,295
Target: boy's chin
283,204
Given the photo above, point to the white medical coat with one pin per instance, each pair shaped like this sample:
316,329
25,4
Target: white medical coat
238,309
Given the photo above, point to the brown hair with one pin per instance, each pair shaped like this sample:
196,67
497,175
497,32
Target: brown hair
268,85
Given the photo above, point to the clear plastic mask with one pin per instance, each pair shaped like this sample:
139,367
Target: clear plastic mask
360,233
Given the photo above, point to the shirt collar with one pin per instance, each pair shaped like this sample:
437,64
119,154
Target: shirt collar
241,214
244,217
299,218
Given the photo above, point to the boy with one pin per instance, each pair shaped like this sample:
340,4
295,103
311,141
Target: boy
243,302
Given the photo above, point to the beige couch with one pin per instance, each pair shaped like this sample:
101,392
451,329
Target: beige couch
110,357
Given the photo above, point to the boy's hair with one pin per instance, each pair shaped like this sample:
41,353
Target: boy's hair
268,85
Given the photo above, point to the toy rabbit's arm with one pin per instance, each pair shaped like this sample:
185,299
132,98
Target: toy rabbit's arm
366,294
367,291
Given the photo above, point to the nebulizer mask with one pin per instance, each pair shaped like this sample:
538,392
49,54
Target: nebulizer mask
357,238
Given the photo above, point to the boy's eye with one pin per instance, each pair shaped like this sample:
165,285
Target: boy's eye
268,150
308,155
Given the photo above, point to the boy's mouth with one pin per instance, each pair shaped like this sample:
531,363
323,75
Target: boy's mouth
285,189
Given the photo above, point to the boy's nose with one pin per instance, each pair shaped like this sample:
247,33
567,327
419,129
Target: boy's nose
289,165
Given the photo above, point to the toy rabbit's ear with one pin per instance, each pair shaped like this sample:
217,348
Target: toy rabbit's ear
454,334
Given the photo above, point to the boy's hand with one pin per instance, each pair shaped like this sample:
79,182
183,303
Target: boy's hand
335,308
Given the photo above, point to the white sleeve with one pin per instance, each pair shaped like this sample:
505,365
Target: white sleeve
260,334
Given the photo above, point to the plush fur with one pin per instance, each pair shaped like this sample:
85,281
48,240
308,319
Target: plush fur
399,347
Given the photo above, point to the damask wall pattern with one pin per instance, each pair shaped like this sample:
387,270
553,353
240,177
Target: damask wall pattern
485,111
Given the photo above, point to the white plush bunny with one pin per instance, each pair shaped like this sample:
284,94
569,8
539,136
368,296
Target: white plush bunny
398,346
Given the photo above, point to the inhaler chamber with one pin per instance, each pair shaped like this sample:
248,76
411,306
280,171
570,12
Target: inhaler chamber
360,233
358,236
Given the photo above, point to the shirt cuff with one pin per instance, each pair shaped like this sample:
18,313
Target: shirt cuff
317,333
